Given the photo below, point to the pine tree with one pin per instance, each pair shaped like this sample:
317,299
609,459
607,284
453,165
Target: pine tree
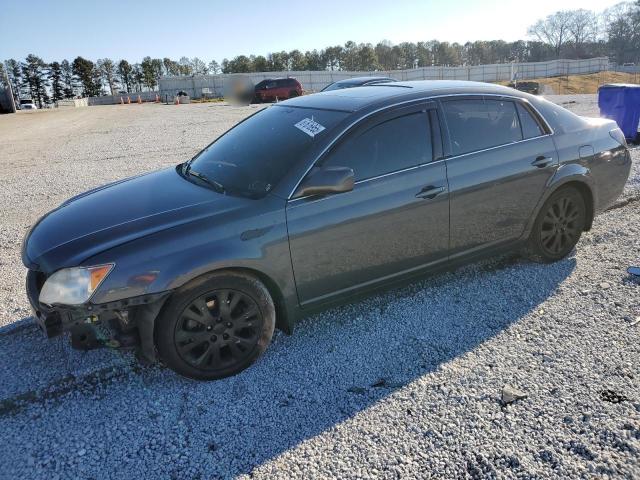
35,80
68,80
214,68
86,72
137,77
107,70
148,73
125,72
55,76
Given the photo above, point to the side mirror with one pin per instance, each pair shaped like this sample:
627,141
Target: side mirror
322,181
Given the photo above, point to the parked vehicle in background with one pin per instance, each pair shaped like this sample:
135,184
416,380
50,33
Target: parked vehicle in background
528,87
311,201
356,82
273,89
27,104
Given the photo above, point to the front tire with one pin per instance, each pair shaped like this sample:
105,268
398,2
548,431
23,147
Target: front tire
215,326
558,227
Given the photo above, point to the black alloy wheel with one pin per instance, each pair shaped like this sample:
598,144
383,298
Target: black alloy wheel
218,328
215,327
559,226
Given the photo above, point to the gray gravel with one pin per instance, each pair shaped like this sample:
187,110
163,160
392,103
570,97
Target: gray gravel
408,384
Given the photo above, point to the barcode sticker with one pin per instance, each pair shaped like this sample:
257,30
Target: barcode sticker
309,126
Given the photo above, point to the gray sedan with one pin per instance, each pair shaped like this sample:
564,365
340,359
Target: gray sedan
309,203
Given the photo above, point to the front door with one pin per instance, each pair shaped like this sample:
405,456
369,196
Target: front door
396,219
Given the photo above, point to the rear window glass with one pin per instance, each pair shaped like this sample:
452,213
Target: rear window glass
530,126
286,82
476,124
252,157
386,147
337,86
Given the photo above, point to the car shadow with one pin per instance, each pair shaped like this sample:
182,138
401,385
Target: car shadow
336,364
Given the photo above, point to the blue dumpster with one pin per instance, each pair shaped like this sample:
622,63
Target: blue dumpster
621,102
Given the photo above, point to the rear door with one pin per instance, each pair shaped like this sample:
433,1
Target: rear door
499,160
396,219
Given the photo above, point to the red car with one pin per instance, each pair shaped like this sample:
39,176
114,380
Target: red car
277,88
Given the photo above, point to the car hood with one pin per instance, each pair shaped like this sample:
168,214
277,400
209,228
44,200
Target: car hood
116,213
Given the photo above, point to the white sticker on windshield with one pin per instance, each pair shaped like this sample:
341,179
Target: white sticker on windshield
309,126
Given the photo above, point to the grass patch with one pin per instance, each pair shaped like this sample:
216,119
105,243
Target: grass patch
587,83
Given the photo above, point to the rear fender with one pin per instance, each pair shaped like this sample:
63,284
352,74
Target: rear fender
566,173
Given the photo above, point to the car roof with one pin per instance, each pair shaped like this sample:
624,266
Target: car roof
354,99
277,78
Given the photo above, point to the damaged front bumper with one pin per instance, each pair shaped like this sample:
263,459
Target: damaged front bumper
125,323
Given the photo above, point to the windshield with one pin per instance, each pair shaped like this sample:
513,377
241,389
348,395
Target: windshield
252,157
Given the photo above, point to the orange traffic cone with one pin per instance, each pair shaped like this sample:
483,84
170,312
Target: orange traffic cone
157,98
129,100
139,99
177,101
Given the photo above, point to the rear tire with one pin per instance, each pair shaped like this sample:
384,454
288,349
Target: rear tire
558,227
215,326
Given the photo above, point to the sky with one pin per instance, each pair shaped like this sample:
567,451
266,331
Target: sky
59,29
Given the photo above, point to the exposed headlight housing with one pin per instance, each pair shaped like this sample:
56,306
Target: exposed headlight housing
73,286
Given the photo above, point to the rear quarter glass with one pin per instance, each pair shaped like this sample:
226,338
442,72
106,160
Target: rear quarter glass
559,119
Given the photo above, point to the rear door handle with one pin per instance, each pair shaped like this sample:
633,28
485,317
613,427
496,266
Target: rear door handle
430,192
542,161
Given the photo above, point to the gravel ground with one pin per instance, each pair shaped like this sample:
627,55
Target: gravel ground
407,384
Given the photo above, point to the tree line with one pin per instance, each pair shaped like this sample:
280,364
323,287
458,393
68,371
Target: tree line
565,34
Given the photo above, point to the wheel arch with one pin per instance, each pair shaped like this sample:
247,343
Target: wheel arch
587,196
578,178
283,318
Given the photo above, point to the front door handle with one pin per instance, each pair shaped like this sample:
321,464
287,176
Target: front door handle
430,192
542,161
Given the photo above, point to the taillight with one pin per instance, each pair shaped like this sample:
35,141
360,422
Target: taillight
618,136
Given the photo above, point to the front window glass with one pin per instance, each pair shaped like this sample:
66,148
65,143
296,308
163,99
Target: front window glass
392,145
253,156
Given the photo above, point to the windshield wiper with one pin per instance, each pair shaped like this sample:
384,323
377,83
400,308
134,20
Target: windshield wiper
217,186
